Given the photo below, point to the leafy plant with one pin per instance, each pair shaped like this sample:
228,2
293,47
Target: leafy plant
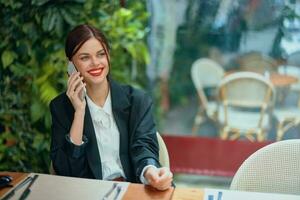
33,66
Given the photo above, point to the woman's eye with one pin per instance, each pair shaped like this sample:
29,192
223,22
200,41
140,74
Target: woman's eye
101,54
84,58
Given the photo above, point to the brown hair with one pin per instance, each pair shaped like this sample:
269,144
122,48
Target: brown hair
79,35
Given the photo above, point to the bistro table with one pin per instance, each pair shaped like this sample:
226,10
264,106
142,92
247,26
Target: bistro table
278,80
282,80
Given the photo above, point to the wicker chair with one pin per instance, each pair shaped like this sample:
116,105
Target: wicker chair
245,99
205,73
274,168
288,117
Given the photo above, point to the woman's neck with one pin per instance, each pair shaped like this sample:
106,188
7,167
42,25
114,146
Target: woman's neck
98,93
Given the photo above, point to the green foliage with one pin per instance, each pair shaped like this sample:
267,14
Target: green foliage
33,66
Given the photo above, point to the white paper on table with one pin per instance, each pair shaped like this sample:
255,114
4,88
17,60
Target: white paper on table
50,187
123,186
216,194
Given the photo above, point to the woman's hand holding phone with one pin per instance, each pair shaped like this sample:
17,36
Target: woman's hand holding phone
74,91
76,94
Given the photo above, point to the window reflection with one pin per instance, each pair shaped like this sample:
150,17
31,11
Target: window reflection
240,35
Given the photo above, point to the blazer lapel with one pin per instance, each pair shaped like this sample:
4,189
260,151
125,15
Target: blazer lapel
92,151
120,108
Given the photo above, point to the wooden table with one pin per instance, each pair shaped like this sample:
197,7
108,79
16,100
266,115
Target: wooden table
134,191
188,194
282,80
139,191
17,177
278,80
65,188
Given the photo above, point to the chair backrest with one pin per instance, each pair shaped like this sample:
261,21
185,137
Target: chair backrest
246,89
163,155
206,73
274,168
256,62
163,152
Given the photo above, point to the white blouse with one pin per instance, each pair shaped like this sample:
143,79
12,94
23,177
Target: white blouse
108,138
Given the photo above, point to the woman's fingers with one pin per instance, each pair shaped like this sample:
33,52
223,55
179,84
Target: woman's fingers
163,179
74,91
163,184
72,77
77,84
70,80
74,83
79,89
164,171
151,175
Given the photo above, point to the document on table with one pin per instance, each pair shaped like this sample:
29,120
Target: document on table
216,194
49,187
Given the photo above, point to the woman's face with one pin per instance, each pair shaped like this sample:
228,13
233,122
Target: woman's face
91,62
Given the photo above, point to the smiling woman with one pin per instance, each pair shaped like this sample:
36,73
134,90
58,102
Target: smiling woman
110,134
91,61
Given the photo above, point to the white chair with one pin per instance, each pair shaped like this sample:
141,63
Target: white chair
163,155
274,168
205,73
163,152
245,102
288,117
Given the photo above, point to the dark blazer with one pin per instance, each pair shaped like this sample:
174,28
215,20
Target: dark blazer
132,110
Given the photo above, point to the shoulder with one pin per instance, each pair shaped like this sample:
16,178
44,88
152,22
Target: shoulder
58,99
134,95
60,102
140,101
140,96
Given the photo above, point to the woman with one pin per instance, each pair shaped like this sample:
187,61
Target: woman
110,134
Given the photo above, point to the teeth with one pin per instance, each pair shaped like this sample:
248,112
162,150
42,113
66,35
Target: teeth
96,71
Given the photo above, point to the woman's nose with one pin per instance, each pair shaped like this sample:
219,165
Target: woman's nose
95,61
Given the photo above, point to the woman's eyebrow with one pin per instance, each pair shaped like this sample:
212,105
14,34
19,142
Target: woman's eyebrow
84,54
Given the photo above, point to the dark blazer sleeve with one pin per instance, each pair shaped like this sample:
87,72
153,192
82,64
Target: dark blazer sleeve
144,147
67,158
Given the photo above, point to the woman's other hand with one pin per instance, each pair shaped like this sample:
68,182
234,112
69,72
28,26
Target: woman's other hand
74,91
159,178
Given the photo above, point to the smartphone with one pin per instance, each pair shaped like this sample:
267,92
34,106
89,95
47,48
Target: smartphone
71,70
5,180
